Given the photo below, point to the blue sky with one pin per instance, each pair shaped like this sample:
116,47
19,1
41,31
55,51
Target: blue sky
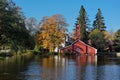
70,10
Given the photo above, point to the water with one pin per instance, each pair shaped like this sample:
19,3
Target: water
60,68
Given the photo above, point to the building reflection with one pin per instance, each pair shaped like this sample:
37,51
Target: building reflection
78,67
86,67
68,67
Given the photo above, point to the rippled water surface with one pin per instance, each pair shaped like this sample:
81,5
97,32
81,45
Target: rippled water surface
60,68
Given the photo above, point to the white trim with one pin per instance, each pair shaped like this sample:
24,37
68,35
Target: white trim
66,47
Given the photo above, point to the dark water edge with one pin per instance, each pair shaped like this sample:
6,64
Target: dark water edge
60,68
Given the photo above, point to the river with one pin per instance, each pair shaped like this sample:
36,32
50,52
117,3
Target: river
60,68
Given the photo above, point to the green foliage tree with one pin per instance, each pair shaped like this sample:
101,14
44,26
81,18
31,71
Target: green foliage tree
83,21
99,21
117,40
3,28
97,39
98,35
13,32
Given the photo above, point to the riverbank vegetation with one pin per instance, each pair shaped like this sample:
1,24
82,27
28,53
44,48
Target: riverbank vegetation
19,34
14,37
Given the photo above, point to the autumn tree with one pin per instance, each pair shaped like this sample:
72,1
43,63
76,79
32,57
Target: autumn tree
51,33
109,37
84,23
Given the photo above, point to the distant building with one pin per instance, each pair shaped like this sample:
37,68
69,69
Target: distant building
78,46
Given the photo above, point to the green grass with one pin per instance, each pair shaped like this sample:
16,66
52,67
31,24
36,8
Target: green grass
1,58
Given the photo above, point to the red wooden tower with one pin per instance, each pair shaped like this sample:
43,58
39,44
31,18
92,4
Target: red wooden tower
77,31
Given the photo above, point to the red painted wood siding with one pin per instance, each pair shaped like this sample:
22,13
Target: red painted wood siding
79,47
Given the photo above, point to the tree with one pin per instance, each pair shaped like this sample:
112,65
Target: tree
12,27
31,24
109,36
98,36
61,22
97,39
3,27
83,21
51,33
117,40
99,21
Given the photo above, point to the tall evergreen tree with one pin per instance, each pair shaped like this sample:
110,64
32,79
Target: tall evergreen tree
99,21
83,21
97,35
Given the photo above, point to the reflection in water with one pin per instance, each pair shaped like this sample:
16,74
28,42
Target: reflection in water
60,68
10,68
67,68
108,68
84,68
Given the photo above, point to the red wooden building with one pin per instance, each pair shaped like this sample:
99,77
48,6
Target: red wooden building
78,46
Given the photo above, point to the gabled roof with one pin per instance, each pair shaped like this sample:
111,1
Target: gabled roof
78,40
83,43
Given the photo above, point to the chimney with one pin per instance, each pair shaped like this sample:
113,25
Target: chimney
77,31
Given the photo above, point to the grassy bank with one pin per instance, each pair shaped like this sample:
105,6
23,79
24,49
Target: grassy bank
13,53
1,58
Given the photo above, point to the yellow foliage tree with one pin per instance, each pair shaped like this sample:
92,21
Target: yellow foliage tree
51,34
